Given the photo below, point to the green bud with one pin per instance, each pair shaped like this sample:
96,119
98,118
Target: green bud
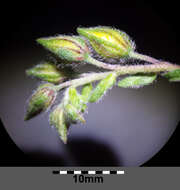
58,119
108,42
73,114
86,92
47,72
173,76
41,99
136,81
70,48
102,87
75,98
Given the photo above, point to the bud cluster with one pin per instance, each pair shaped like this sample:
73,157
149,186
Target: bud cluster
66,51
69,111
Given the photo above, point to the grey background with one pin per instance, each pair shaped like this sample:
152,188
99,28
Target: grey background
134,178
126,128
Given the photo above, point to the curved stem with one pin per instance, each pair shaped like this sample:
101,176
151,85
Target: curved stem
142,57
153,68
100,64
160,66
83,80
132,54
122,70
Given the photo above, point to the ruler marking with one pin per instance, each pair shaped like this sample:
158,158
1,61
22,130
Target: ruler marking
90,172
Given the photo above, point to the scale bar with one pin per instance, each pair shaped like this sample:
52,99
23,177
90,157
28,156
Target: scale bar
90,172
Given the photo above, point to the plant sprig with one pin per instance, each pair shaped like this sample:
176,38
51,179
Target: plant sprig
108,43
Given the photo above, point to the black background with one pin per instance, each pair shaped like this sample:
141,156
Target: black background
23,22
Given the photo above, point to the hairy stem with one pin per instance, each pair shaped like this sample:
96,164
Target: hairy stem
156,66
100,64
142,57
120,70
153,68
87,78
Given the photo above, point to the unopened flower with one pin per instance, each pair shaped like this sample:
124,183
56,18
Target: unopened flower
74,105
47,72
73,115
58,119
41,100
108,42
70,48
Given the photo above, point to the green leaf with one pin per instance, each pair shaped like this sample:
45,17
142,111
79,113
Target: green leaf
136,81
173,76
102,87
58,119
86,92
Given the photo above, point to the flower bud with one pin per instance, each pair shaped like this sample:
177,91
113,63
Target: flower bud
108,42
136,81
70,48
57,118
173,76
42,98
74,105
102,87
73,114
47,72
76,99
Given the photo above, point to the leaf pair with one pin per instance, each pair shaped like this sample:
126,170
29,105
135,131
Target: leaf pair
134,81
140,80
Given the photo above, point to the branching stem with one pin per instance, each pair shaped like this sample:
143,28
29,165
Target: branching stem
157,66
83,80
119,70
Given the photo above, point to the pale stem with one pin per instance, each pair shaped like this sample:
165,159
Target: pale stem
142,57
164,66
120,70
83,80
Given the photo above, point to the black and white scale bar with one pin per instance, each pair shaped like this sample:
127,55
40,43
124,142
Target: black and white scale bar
91,172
